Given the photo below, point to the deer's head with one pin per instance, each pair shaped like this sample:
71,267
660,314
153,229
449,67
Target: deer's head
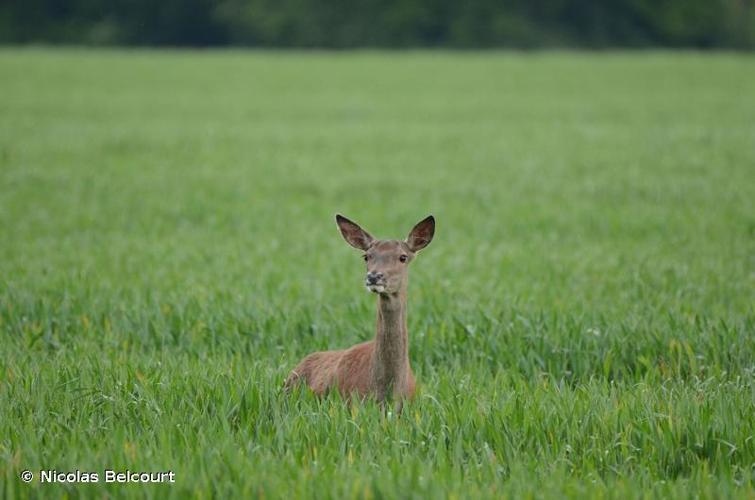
387,260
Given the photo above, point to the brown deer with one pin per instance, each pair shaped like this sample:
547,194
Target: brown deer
378,368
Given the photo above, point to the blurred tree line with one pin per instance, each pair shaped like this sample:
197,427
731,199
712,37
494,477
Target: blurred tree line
386,23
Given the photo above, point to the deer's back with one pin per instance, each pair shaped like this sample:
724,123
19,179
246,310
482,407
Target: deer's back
348,370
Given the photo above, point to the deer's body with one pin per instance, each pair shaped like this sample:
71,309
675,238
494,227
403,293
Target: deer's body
378,368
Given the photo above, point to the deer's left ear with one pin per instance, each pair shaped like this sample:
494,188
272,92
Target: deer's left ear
422,234
353,234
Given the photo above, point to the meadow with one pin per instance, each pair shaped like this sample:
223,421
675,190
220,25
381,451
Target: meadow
582,324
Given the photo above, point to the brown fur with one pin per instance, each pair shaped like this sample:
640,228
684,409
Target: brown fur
348,370
378,368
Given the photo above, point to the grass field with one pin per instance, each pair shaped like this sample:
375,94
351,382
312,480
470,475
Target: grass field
582,324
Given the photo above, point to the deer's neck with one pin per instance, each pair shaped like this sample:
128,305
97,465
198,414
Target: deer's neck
391,343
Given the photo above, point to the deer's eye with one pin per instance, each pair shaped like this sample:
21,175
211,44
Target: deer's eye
403,258
366,257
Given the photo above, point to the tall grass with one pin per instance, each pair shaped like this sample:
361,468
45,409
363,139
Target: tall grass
582,324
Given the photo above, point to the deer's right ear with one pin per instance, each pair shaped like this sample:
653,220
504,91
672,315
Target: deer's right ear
421,234
353,234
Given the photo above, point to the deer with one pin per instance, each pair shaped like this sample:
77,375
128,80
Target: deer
378,368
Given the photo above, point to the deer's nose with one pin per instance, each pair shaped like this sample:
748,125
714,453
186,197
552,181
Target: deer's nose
373,277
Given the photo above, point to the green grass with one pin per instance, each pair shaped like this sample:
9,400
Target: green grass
582,324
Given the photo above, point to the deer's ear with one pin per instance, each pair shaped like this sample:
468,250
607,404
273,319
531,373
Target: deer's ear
353,234
422,234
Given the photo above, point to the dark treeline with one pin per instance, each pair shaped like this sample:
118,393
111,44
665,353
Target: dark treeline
387,23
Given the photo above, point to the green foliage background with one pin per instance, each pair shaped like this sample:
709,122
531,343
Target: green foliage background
389,24
582,324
